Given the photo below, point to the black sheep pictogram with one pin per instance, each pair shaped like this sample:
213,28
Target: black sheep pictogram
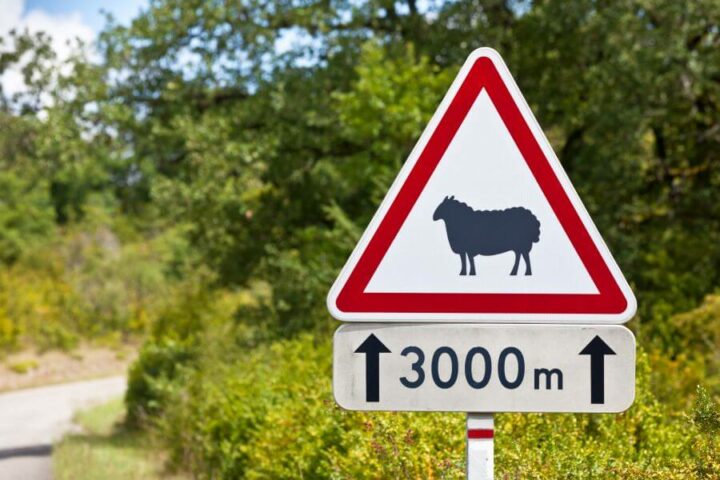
488,232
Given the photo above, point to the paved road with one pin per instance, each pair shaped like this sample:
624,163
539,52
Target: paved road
31,420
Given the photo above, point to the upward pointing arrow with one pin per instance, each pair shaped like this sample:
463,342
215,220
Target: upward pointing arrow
597,349
372,347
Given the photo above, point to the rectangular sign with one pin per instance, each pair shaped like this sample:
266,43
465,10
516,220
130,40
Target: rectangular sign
484,368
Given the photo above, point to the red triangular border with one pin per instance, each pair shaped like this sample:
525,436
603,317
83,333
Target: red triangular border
353,299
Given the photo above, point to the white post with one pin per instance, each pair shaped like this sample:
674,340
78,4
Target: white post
480,432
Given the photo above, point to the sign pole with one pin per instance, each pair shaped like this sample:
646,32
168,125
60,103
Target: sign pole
480,432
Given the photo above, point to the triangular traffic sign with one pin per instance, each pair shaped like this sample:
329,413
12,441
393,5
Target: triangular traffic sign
482,224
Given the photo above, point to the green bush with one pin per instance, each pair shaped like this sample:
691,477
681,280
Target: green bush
153,378
88,284
269,413
180,330
647,441
706,430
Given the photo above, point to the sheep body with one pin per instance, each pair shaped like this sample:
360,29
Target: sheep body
488,232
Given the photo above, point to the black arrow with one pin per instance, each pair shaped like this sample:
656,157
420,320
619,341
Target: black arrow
597,349
372,347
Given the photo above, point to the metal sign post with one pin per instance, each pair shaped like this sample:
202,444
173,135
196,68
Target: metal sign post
480,445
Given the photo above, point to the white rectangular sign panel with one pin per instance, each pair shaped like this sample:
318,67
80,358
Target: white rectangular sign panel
484,368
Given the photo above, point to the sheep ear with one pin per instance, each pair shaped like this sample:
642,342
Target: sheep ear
446,197
452,197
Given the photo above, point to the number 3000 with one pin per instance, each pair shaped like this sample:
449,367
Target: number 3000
477,383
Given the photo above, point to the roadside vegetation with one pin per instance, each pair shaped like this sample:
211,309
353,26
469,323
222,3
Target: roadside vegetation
105,449
198,184
30,367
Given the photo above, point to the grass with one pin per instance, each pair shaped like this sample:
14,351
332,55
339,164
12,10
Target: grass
107,450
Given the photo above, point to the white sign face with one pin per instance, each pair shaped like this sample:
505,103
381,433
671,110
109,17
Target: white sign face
482,224
484,368
481,181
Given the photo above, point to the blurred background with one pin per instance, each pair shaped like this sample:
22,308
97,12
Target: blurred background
181,180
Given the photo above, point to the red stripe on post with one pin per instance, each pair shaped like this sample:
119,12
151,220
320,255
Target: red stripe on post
480,433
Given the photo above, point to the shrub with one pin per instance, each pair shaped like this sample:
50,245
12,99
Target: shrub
181,328
23,366
153,378
706,423
269,413
88,285
645,442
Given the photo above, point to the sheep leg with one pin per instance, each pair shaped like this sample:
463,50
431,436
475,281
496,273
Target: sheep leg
472,264
462,259
528,268
517,263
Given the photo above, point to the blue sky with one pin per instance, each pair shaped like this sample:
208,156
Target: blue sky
63,21
89,10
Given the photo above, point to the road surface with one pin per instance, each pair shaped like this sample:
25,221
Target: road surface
31,420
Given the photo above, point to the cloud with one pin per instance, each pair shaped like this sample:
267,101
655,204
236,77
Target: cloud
11,12
62,28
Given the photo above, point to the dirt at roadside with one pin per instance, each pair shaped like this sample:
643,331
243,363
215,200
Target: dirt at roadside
29,369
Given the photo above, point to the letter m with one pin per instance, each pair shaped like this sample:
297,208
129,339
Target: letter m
548,374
